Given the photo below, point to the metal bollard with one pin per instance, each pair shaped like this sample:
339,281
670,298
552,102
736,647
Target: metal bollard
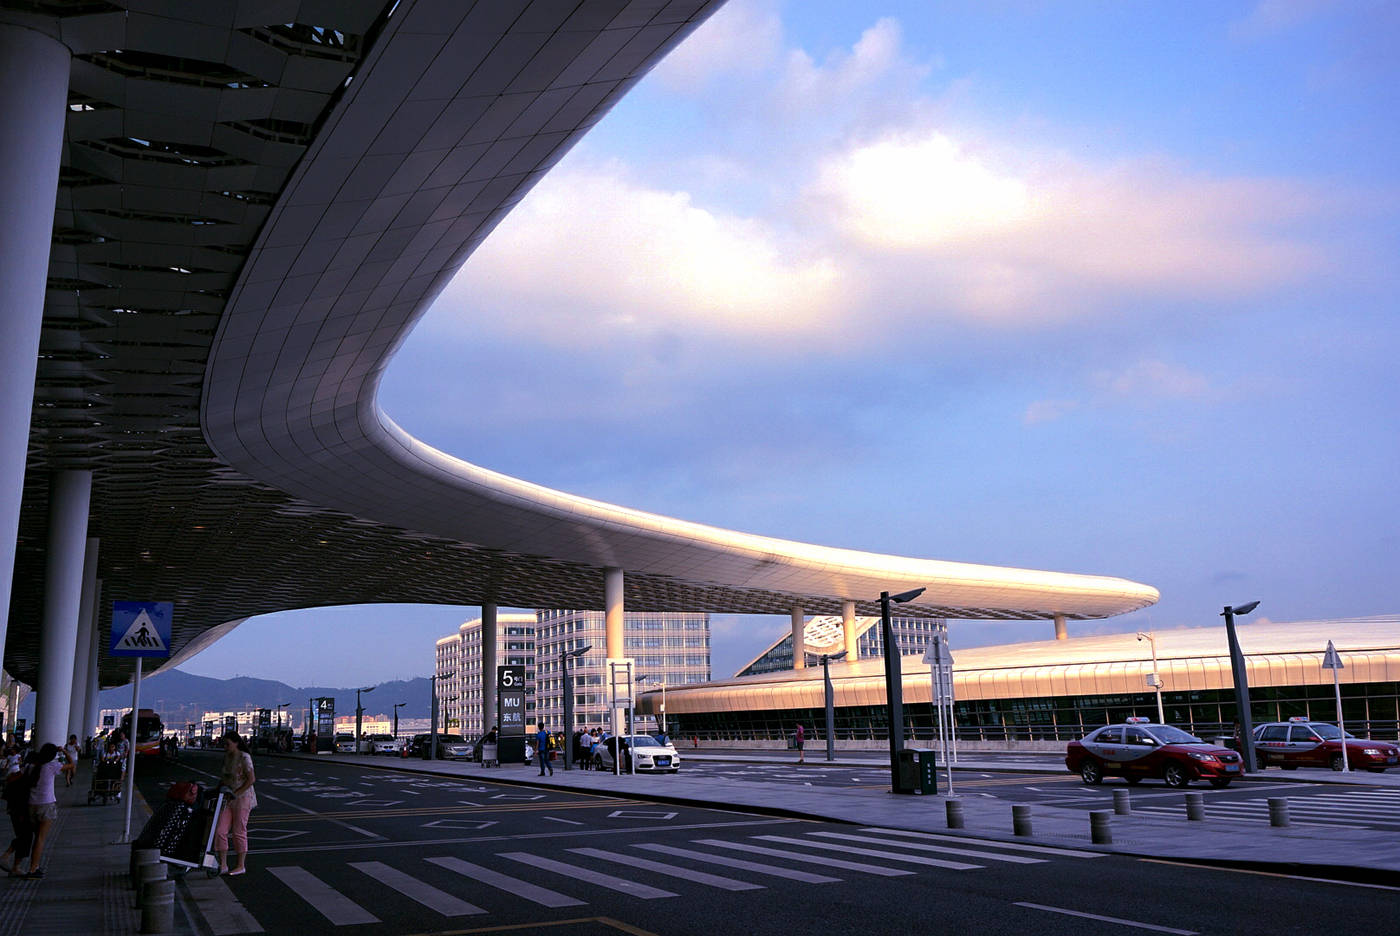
1021,819
1278,811
955,814
1122,805
1195,806
1101,827
139,857
158,906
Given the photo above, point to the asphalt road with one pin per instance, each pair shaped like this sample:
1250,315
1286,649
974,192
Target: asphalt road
337,848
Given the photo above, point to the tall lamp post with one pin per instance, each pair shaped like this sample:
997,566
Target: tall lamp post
1155,678
894,683
359,716
397,706
433,711
1241,682
830,703
564,657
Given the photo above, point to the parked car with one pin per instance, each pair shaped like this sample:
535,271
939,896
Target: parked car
450,746
344,743
1300,742
1139,749
651,755
385,744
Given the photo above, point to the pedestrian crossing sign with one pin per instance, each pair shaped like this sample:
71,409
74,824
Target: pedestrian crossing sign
141,628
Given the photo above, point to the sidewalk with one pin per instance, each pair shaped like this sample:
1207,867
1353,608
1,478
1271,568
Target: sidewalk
85,888
1351,854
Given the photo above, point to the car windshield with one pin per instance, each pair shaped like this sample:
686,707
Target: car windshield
451,739
645,741
1169,735
1329,732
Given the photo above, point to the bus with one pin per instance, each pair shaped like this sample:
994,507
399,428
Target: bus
150,731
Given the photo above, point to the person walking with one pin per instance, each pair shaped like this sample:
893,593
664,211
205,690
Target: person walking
43,804
798,737
70,756
238,776
18,782
542,749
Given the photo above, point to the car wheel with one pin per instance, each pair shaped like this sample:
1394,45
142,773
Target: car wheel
1336,762
1133,779
1219,783
1260,761
1174,775
1091,773
597,762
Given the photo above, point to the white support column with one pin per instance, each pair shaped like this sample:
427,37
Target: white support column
799,638
848,630
34,70
82,647
92,698
613,614
1060,632
69,492
490,718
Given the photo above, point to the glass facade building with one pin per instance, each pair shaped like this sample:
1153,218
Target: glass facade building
458,668
824,635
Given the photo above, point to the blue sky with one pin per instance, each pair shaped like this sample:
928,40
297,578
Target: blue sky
1096,287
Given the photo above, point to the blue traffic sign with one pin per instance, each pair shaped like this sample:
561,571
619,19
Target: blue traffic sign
141,628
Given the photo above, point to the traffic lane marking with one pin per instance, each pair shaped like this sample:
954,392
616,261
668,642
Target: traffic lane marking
1107,919
576,921
414,811
1275,874
302,809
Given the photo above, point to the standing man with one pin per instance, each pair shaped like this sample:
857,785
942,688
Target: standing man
542,748
797,739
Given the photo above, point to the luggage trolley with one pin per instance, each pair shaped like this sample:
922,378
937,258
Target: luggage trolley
489,758
183,828
107,776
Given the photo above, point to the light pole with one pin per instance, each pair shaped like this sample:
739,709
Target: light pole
397,706
830,703
1155,678
433,712
564,657
1241,682
894,683
359,716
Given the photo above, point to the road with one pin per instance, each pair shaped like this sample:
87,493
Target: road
338,848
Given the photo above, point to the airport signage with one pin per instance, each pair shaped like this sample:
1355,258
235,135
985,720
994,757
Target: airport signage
510,697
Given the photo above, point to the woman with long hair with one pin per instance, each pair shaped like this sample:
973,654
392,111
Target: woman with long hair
43,803
237,776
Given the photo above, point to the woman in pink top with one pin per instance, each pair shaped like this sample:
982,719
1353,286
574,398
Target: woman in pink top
43,804
238,776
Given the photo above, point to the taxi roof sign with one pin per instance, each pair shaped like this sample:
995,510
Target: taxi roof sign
1137,720
1299,718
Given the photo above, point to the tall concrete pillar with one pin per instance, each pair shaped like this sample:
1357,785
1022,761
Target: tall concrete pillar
1060,632
34,72
613,613
82,647
799,638
92,698
69,493
848,630
490,718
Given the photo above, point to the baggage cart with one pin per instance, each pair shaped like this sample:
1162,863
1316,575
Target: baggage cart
184,833
489,756
107,776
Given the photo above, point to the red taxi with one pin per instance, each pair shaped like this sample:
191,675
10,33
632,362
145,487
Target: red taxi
1139,749
1300,742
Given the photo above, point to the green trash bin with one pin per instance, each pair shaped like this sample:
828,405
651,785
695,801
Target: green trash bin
925,765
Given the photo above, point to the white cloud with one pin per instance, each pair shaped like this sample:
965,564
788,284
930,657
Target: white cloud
1044,411
743,39
1155,380
1274,16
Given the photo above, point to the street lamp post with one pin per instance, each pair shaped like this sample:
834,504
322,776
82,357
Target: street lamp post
1241,682
433,712
830,703
397,706
564,657
1155,677
894,683
359,716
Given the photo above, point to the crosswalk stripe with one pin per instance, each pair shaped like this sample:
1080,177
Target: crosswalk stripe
659,867
621,885
1008,846
871,853
411,887
223,913
1219,811
758,867
514,886
324,899
810,859
942,849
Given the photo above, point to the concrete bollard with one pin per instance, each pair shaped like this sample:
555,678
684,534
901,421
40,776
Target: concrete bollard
147,873
1278,811
1021,819
1195,806
1122,805
139,857
1101,827
158,906
955,814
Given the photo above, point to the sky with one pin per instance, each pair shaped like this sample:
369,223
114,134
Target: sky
1085,286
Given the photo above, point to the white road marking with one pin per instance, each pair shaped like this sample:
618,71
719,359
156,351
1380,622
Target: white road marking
1006,846
1108,919
324,899
870,853
557,819
658,867
597,878
809,859
724,860
942,849
309,812
411,887
513,886
222,912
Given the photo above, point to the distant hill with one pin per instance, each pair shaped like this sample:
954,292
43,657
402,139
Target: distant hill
181,698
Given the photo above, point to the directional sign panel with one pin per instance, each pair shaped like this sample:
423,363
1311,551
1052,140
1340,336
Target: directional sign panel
141,628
